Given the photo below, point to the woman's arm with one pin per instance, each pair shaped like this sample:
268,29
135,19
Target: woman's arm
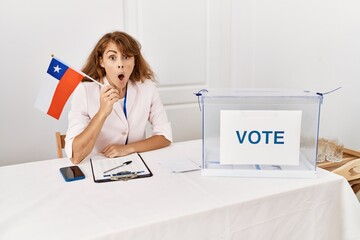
85,141
151,143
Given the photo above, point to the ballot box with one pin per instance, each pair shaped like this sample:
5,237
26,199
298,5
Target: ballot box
260,132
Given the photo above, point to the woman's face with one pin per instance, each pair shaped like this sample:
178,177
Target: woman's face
118,67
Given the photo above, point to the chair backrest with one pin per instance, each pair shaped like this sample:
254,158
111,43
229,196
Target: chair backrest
60,143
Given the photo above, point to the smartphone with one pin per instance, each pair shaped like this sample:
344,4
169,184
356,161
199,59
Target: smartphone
72,173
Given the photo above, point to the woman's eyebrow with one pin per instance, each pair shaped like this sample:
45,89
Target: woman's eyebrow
111,51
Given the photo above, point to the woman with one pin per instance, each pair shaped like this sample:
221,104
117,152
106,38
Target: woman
111,119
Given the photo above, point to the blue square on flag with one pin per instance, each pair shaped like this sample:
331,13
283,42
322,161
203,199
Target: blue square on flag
57,69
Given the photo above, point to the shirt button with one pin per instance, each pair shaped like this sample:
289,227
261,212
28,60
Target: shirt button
124,133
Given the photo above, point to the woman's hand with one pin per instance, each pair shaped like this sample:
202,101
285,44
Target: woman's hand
115,150
151,143
85,141
108,96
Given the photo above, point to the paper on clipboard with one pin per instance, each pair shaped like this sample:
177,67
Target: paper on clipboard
101,165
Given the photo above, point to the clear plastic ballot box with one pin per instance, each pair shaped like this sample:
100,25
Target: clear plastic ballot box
260,133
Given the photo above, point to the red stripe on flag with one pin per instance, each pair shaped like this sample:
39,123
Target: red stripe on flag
64,89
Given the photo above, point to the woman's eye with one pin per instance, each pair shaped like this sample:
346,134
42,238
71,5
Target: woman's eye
112,58
126,57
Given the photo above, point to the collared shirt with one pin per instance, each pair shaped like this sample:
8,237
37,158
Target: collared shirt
143,105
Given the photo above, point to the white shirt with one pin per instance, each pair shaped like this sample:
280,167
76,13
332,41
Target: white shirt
143,105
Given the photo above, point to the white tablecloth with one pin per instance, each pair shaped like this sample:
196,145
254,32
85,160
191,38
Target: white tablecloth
36,203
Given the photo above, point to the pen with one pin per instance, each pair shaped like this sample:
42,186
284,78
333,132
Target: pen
123,164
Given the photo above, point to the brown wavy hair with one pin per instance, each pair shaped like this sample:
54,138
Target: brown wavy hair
128,46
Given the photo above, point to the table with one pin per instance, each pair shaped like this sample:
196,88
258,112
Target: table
36,203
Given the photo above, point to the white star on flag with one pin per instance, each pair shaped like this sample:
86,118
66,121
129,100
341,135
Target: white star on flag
57,69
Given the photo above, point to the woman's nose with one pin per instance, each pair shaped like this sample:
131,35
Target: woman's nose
120,63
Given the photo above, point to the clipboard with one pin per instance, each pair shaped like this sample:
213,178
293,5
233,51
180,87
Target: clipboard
118,169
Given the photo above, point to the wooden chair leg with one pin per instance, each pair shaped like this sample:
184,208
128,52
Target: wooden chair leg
58,144
356,187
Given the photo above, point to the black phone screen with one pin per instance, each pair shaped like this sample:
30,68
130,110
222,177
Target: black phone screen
72,173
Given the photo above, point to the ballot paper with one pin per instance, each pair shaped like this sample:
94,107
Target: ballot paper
180,164
120,168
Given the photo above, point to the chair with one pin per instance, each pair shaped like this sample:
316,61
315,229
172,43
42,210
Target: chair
60,143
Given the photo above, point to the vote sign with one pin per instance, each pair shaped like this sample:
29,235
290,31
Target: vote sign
266,137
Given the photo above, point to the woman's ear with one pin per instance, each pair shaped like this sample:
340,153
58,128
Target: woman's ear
101,62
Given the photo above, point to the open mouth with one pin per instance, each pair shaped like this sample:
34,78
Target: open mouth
121,76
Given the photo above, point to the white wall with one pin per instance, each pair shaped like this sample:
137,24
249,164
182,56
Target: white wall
191,44
307,44
30,32
179,40
186,43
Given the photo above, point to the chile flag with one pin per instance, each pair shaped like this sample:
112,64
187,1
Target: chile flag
58,88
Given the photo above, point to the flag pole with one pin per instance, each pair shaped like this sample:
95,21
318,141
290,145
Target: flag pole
85,75
92,79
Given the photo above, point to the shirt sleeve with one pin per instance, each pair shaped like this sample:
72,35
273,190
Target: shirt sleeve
158,118
78,117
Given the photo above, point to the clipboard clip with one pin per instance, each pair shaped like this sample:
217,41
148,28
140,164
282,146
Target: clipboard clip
124,176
